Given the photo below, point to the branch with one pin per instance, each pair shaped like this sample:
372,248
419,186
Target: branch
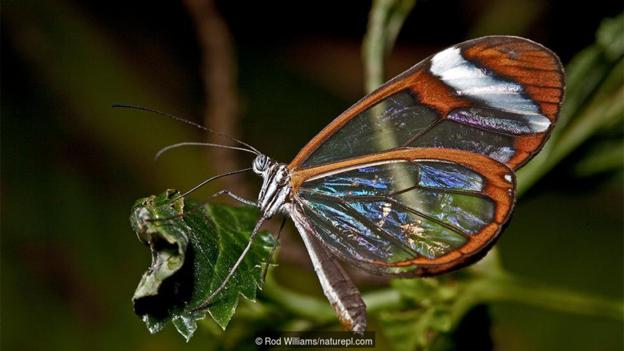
384,23
219,76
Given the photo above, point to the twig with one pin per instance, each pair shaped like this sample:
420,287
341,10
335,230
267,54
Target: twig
484,288
384,23
373,46
396,20
219,76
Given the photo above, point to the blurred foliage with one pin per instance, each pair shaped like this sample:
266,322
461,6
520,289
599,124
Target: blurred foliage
594,103
71,167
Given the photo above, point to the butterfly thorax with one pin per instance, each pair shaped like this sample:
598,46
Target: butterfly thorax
276,188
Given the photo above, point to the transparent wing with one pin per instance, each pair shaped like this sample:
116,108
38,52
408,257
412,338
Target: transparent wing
497,96
411,215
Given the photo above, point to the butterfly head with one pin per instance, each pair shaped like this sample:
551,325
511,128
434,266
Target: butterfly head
261,164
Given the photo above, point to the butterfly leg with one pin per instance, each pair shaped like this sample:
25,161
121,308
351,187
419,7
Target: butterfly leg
232,270
235,197
265,270
340,291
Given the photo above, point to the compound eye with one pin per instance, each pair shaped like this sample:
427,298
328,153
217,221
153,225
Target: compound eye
260,164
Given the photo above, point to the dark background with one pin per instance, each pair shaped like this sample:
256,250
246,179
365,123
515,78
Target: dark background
72,166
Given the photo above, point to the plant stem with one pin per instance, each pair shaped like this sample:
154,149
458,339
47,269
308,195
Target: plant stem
384,23
506,288
219,75
319,311
307,307
479,289
395,22
373,47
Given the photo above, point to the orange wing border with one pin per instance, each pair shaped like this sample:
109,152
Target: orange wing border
521,60
499,186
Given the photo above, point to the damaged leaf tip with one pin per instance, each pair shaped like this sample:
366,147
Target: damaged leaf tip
193,247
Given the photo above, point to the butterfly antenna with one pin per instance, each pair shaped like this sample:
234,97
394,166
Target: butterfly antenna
193,189
180,119
210,180
191,143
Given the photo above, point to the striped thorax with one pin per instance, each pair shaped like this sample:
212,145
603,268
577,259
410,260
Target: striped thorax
276,189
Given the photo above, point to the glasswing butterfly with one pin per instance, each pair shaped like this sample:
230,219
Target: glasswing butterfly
417,178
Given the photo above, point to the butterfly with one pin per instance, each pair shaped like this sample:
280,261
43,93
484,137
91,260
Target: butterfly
417,178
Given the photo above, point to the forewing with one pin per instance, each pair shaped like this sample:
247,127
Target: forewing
498,96
409,212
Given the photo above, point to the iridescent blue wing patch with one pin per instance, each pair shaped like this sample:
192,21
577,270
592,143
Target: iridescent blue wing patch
401,215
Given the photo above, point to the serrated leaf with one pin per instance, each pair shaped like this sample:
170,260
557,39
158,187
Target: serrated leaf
193,248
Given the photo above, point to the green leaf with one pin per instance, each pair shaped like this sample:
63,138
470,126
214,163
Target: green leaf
430,309
193,248
426,313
